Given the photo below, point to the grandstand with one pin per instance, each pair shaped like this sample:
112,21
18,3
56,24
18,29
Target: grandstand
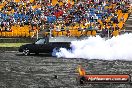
72,18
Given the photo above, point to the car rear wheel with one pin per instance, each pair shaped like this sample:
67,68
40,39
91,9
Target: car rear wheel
26,52
55,50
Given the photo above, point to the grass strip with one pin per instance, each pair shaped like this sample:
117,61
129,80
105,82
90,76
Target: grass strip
11,44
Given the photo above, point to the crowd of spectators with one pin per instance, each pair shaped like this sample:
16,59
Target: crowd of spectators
19,13
88,14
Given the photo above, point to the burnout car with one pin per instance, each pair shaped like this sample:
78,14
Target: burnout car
43,46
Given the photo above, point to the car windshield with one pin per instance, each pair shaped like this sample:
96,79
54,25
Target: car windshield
41,41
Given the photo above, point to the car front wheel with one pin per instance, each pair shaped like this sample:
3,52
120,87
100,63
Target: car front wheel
26,52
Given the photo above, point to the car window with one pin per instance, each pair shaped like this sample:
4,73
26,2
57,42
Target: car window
41,41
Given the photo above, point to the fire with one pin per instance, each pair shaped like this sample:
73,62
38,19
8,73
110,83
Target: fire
82,72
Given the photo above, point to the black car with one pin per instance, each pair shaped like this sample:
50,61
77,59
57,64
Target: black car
42,46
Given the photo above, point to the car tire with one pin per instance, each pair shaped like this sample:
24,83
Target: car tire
26,52
55,50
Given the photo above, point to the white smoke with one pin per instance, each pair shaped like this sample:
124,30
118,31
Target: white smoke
119,47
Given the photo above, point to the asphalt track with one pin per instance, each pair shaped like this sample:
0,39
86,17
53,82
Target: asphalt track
39,71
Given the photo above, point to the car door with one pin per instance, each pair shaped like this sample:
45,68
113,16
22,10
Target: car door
59,45
40,44
46,48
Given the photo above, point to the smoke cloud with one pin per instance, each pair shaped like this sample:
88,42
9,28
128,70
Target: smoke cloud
119,47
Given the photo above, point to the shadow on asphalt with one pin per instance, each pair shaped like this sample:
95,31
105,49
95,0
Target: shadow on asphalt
37,55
